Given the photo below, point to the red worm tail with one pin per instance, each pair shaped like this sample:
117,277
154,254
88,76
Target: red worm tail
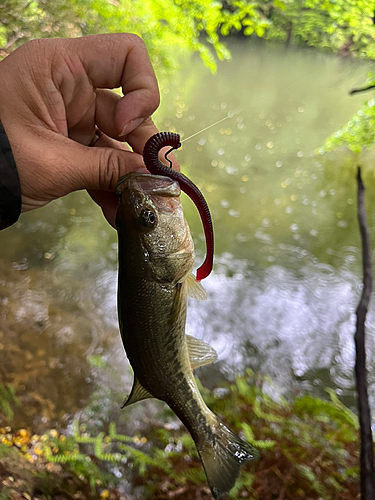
156,167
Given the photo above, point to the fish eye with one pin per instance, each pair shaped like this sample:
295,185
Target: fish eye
148,217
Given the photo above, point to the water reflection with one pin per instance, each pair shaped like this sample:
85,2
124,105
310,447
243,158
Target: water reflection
291,325
287,269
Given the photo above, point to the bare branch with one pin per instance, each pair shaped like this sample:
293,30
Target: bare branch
367,448
363,89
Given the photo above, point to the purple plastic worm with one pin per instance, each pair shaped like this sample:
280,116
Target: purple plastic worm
156,167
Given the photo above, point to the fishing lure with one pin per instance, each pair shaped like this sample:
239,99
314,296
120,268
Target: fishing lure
156,167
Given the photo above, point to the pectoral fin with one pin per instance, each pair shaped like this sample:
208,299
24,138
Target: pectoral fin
200,353
194,288
138,393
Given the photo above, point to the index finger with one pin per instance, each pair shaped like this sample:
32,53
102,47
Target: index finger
121,60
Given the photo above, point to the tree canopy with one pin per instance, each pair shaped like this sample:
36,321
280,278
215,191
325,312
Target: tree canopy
197,25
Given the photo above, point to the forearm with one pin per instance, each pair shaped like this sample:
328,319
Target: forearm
10,192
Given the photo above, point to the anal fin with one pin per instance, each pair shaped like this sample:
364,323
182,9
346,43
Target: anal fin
138,393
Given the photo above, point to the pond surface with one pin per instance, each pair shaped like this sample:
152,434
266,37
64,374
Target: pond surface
287,276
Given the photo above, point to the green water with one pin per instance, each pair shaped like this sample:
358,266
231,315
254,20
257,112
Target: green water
287,270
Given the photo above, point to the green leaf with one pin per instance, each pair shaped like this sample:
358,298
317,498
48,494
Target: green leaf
259,30
307,472
249,31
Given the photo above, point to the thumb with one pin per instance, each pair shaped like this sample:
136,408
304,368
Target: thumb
109,167
50,165
100,168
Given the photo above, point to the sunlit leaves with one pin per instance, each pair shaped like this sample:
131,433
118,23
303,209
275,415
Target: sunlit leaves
194,25
21,20
357,134
241,14
343,25
165,25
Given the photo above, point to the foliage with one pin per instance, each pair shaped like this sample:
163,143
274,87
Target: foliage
359,132
309,449
165,25
25,472
309,445
8,399
344,25
106,448
195,25
66,451
22,20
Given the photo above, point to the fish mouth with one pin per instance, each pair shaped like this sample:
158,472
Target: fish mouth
137,189
159,185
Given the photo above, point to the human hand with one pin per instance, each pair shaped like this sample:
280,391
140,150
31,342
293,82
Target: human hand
54,99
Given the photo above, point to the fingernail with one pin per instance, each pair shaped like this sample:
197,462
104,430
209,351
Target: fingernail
132,125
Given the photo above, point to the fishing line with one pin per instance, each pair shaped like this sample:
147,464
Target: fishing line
230,115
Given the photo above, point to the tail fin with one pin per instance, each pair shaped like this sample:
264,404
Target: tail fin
222,455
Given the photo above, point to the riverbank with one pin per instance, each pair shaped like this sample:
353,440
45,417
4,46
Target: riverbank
309,450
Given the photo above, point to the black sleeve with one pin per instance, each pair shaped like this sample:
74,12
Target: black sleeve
10,191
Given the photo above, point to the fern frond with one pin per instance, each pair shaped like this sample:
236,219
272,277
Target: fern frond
196,476
117,437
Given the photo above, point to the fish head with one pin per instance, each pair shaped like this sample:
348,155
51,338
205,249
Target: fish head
150,217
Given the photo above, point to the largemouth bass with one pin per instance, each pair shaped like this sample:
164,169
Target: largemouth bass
156,257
